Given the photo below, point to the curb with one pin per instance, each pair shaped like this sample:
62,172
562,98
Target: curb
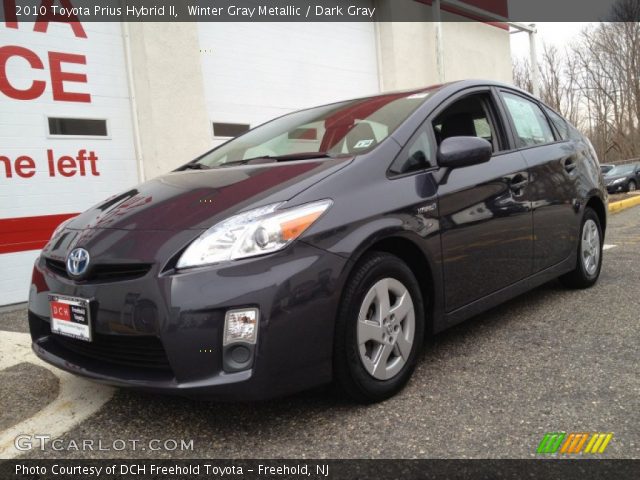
616,207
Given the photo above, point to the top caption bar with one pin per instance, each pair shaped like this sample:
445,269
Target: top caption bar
500,11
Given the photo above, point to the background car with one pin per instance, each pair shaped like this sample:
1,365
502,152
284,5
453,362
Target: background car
623,178
605,167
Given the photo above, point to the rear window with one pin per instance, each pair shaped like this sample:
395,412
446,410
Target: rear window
559,123
532,127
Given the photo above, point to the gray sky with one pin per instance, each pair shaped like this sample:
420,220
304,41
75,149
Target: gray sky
552,33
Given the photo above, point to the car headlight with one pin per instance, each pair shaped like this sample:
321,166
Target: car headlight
255,232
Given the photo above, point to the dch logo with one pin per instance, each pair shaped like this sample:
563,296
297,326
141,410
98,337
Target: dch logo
60,311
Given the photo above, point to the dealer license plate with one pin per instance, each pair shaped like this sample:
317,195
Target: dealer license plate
70,316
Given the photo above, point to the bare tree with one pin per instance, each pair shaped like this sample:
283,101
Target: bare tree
625,11
522,74
558,81
595,82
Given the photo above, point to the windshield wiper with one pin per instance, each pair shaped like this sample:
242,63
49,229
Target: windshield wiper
277,158
263,159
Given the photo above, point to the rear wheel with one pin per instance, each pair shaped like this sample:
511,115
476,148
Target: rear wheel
379,329
589,261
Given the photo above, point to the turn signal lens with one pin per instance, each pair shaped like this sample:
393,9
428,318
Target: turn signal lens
292,229
241,326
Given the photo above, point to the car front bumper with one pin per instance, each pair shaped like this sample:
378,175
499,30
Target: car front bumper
619,187
163,332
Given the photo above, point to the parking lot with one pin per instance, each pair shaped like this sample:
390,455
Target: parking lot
551,360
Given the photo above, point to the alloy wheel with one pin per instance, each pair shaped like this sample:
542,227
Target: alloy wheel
590,246
386,328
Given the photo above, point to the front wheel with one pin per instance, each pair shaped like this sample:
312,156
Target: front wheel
589,261
379,329
632,186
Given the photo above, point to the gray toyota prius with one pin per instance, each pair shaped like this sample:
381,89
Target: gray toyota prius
322,246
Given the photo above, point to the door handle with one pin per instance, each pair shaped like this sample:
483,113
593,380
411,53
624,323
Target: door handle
569,165
518,182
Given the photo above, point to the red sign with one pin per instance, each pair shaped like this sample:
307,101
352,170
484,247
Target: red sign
58,74
60,311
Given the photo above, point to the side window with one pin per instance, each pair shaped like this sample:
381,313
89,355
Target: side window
415,156
467,117
558,122
532,127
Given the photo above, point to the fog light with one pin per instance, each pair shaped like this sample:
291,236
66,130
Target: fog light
241,326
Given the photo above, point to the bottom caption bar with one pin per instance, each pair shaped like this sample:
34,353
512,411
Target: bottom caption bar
317,469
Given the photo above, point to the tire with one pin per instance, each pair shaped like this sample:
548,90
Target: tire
631,187
587,268
396,341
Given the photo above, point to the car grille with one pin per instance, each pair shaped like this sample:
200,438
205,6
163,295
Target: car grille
103,272
132,351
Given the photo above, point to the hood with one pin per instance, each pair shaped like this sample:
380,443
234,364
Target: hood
152,222
611,178
197,199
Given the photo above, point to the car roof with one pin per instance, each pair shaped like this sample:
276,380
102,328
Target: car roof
454,86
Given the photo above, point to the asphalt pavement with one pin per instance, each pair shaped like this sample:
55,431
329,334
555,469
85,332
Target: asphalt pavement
551,360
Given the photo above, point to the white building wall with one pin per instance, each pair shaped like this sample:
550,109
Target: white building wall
255,72
407,50
169,95
476,50
408,55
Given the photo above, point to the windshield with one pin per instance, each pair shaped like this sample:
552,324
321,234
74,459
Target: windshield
344,128
620,170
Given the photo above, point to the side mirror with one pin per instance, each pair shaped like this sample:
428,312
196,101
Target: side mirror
457,152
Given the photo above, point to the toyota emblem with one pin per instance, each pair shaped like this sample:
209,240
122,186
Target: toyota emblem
77,262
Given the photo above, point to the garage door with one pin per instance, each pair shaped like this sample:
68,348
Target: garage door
66,137
258,71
